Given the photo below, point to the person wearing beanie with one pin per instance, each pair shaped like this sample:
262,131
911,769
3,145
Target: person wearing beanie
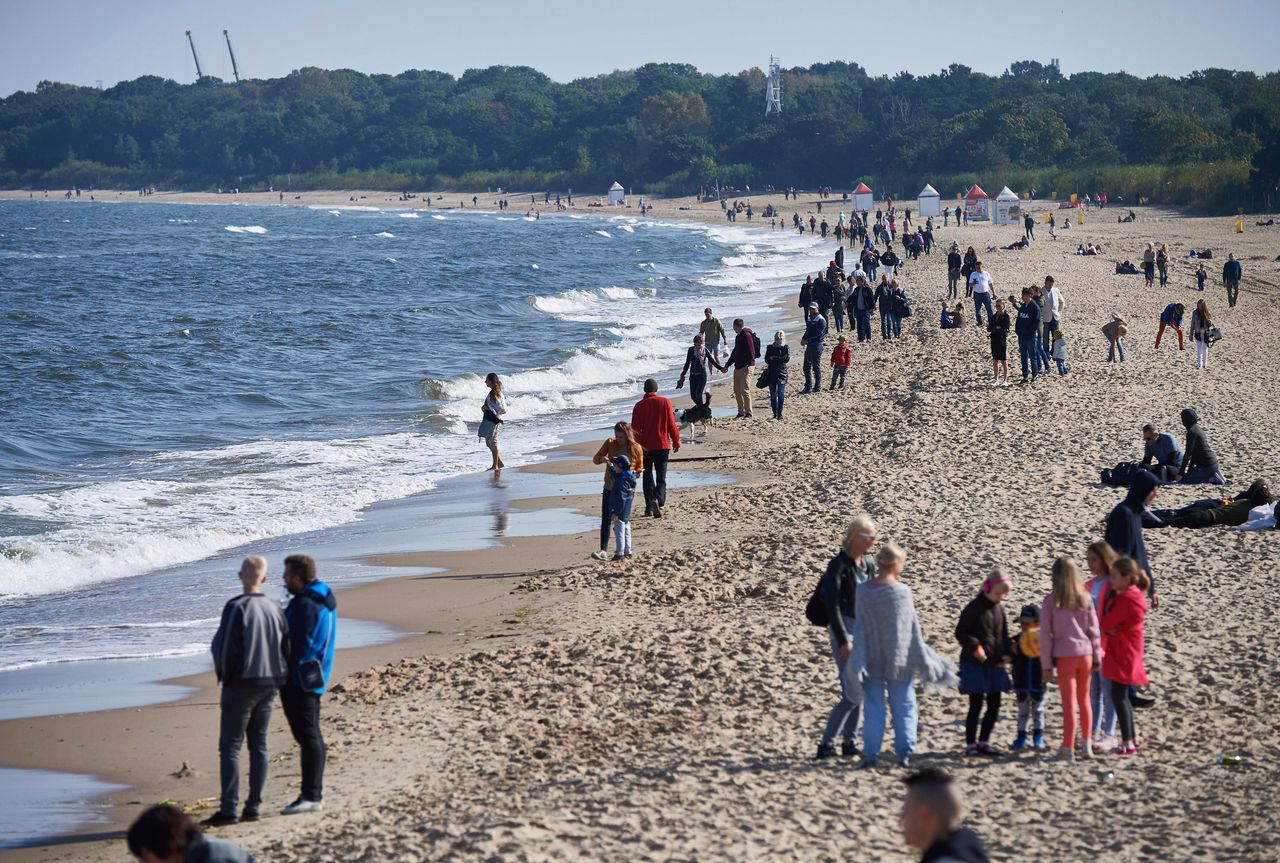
620,500
1028,682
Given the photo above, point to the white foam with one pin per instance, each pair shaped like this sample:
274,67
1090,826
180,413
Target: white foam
627,228
534,267
387,234
438,217
408,215
352,207
246,229
605,234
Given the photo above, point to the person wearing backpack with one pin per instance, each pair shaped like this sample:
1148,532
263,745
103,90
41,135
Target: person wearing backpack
833,607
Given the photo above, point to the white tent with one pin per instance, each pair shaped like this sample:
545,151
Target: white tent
928,202
617,194
1008,208
863,198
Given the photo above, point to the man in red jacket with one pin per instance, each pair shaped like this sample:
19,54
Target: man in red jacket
653,421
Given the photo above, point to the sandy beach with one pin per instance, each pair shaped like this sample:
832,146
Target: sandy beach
668,708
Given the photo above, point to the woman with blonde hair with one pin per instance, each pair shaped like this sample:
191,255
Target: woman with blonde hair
1070,648
492,409
1099,557
623,442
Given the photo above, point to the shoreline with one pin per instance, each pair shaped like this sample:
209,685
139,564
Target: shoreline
728,732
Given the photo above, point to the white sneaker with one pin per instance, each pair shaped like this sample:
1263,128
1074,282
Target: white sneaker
600,555
301,805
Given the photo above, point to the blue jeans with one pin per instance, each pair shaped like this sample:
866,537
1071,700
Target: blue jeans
981,301
1111,350
1104,712
813,366
837,376
777,392
886,325
902,701
895,320
1046,342
864,325
1029,352
1062,367
838,313
843,719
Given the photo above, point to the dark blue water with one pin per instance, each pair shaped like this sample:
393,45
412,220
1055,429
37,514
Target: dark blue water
178,380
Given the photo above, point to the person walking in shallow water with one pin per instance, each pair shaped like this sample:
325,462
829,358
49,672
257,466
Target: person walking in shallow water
492,410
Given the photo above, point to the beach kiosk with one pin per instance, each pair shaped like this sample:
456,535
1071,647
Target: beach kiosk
863,198
928,202
1008,208
977,205
617,195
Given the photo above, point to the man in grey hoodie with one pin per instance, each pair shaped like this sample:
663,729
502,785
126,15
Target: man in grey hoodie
250,657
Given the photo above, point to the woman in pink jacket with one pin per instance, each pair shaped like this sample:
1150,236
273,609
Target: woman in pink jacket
1124,610
1070,648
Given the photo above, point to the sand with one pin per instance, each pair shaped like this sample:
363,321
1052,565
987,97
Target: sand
668,708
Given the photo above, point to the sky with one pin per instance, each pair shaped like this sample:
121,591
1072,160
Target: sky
87,41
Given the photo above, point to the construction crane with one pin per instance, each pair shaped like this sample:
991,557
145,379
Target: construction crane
234,69
195,56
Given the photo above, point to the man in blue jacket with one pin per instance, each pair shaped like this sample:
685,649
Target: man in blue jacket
1231,280
1027,328
313,620
815,333
1160,453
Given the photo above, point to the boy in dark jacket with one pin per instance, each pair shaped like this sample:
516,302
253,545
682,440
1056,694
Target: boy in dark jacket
620,500
1028,679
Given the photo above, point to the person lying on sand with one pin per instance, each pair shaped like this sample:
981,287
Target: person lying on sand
1232,511
1126,269
1019,245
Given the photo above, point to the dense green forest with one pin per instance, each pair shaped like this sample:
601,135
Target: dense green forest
1210,140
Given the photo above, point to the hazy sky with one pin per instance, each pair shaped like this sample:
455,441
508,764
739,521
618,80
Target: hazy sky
84,41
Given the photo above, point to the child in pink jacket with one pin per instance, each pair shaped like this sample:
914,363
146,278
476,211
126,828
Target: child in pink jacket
1070,648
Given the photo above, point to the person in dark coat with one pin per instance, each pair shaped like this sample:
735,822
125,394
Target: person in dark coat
776,358
985,649
1199,464
851,566
998,329
931,816
1028,328
1124,525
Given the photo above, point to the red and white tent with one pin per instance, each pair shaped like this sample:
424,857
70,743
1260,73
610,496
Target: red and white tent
863,198
977,204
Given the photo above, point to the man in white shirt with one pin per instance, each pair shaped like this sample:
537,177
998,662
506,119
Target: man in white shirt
1053,304
981,283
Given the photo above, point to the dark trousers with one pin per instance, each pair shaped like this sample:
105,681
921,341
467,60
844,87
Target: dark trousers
971,731
655,477
302,709
813,366
864,325
1029,353
244,709
606,526
1124,709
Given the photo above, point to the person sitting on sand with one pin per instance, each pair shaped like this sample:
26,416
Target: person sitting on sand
889,653
1160,453
166,834
851,566
1126,269
1199,464
1232,511
948,319
930,819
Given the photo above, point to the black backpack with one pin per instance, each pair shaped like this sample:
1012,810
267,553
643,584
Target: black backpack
755,342
1121,474
815,610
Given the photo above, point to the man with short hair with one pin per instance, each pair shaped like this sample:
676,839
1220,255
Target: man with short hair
653,422
312,614
1053,304
745,350
863,301
1027,329
1231,279
1160,453
166,834
931,816
712,334
250,652
981,283
815,333
954,263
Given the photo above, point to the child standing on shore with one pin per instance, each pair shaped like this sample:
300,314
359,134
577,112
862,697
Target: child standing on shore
1070,647
840,359
1201,275
1124,612
620,500
983,633
1099,557
1028,682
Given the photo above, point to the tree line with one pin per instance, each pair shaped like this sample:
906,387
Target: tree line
1209,140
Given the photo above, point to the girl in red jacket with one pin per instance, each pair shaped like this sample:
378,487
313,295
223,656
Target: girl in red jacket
1124,609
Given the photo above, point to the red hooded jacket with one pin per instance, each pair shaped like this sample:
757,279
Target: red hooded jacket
1122,637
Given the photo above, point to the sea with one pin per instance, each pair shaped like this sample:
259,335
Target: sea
178,381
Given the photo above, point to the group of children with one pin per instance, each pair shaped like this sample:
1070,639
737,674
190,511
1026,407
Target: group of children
1086,636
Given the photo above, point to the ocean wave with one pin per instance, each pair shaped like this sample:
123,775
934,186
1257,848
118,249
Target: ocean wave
408,215
604,233
387,234
190,649
246,229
